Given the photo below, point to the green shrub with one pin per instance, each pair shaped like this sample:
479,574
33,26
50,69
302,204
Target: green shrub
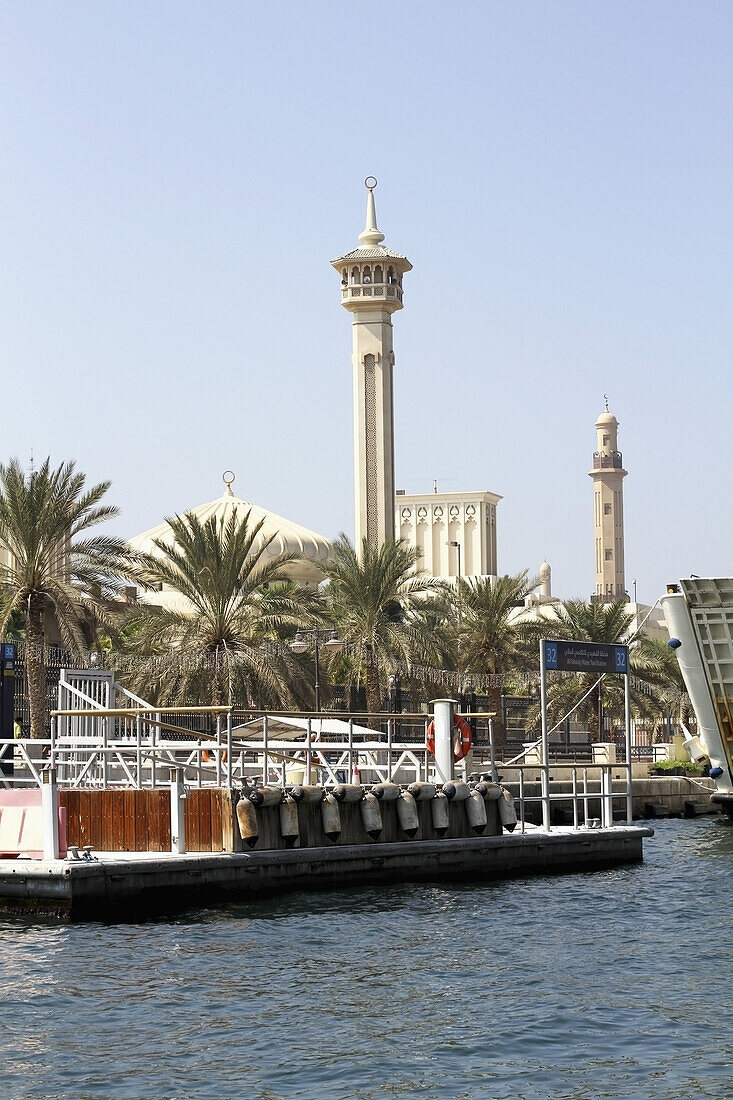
675,765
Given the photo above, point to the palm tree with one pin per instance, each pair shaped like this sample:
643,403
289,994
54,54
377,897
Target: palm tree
55,571
661,670
15,624
371,599
493,638
605,624
217,639
435,618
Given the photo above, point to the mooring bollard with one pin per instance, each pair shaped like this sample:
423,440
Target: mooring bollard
178,814
50,814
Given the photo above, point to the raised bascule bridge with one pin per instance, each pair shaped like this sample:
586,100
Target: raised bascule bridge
699,616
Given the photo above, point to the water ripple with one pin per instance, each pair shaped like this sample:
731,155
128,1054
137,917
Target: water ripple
580,987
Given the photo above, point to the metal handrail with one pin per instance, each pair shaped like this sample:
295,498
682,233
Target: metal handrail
142,765
140,758
127,712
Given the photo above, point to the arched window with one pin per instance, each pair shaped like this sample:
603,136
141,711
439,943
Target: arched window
390,275
378,275
367,276
355,275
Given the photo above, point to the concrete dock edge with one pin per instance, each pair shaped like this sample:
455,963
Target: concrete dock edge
118,887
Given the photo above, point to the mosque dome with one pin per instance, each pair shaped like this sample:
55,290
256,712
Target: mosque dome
606,418
287,537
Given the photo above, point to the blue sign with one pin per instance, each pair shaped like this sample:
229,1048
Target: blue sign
586,657
8,651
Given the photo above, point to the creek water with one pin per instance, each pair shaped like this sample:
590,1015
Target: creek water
611,984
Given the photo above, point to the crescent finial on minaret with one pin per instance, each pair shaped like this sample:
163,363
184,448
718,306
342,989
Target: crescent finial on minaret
371,234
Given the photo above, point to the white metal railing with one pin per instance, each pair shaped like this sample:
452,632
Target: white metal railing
138,748
146,762
371,757
585,789
84,693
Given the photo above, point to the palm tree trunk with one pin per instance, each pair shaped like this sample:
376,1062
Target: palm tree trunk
217,688
372,684
35,667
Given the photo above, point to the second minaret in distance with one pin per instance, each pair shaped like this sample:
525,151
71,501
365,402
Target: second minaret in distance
608,511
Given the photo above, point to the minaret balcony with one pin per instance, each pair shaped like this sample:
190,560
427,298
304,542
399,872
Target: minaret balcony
380,291
612,461
609,597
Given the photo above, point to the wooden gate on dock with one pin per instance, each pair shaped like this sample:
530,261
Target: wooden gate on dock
140,821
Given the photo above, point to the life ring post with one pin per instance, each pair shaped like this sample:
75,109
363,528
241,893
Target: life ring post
443,711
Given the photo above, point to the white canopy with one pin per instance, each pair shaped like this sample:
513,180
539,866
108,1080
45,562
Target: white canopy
284,728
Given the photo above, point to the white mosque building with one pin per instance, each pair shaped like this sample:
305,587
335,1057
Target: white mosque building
456,533
286,538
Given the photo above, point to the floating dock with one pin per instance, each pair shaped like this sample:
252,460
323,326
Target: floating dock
121,886
222,829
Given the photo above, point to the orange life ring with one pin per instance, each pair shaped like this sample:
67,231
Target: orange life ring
461,738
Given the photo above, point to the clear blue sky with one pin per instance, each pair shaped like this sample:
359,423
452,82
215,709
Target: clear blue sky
176,176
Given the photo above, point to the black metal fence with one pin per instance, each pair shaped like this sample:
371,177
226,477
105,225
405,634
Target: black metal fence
570,741
55,658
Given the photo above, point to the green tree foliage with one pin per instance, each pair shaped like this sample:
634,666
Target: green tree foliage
373,599
608,624
220,633
493,637
58,572
216,639
658,665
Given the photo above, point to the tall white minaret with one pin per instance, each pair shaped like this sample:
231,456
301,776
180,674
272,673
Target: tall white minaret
371,290
608,510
